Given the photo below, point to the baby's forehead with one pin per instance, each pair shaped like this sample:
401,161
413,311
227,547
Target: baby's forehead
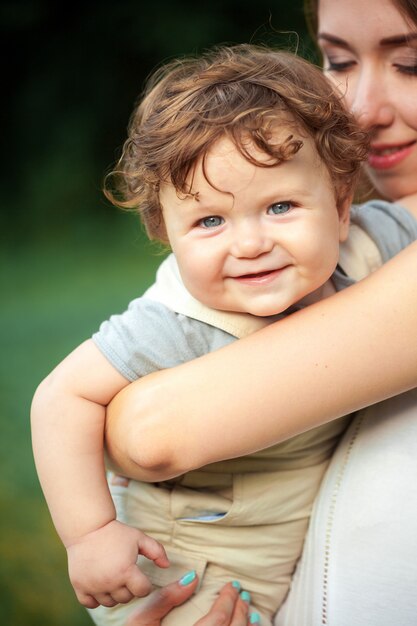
273,147
231,168
243,146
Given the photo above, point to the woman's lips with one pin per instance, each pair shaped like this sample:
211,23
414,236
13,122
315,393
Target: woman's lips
385,156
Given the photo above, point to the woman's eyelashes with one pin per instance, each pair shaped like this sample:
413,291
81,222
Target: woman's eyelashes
405,60
345,66
335,64
410,69
335,60
407,64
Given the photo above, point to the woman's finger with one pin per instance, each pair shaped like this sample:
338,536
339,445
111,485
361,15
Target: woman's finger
241,614
229,609
161,601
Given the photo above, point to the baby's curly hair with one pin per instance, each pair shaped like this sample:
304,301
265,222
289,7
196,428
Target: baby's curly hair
240,92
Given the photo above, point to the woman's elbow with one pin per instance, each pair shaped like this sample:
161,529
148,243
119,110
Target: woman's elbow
136,449
142,437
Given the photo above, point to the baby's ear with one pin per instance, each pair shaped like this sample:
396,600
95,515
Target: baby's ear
344,216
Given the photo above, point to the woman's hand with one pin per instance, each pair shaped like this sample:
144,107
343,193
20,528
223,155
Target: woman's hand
228,610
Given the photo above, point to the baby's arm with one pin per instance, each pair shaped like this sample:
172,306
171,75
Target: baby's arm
68,412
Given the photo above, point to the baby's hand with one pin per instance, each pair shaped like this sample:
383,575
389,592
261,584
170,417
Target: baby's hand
102,564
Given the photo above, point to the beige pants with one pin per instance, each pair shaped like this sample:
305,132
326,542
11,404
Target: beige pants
257,541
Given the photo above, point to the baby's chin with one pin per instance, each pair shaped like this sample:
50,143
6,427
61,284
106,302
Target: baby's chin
258,307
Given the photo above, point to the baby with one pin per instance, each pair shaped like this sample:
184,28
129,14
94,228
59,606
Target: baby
243,160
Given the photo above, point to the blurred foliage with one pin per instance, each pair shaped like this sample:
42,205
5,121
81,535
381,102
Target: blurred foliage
70,79
56,297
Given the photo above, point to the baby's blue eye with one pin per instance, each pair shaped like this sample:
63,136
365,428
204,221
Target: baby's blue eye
278,208
211,222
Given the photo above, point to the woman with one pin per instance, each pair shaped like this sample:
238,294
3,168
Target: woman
360,552
370,50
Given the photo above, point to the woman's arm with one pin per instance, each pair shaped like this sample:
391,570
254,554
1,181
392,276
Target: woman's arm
349,351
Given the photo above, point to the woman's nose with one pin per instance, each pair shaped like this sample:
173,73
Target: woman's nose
371,101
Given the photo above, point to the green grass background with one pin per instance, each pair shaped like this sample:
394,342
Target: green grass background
54,295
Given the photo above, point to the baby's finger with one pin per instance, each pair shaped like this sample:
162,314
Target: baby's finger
122,595
105,599
153,550
86,600
137,583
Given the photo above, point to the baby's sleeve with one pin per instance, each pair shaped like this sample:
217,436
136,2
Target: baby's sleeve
390,225
148,337
145,338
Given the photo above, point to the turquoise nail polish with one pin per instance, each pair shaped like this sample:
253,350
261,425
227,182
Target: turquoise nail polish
245,595
188,578
236,584
254,618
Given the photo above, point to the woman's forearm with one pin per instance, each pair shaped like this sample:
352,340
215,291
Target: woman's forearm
351,350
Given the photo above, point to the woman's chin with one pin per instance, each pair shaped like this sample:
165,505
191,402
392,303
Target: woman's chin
393,186
410,203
